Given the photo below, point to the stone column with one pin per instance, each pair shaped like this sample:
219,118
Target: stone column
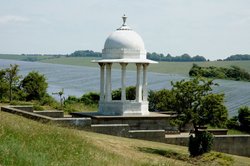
108,89
145,83
102,83
123,80
138,83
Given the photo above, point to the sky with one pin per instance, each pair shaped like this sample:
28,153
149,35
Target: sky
214,29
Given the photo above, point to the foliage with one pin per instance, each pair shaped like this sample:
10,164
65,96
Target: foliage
234,72
238,57
161,100
12,78
130,93
91,98
201,143
152,56
244,118
241,122
233,123
3,85
85,53
194,103
34,85
169,58
37,107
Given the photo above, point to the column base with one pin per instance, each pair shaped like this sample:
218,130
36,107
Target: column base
123,108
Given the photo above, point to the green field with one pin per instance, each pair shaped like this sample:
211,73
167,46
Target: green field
27,142
161,67
24,57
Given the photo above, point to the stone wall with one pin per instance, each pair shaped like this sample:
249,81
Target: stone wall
232,144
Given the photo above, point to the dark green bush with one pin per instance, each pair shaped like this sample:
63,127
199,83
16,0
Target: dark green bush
244,118
233,123
201,143
91,98
234,72
72,100
130,93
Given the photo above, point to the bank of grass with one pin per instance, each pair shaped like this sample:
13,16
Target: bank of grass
27,142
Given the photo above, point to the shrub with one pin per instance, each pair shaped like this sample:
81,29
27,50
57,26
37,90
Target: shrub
37,107
34,85
233,123
244,118
201,143
91,98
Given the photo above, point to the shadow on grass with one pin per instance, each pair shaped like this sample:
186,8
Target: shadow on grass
165,153
212,158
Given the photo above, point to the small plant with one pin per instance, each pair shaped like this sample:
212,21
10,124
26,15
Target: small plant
37,107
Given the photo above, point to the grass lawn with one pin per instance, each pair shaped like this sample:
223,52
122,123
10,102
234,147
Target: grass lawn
27,142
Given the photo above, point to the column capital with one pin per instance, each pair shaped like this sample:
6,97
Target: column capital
123,64
101,64
138,64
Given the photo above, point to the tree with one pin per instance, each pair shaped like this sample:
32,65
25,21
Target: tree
244,118
195,103
34,86
12,78
160,100
91,98
3,84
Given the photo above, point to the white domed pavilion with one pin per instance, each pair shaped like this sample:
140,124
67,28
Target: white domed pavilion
123,46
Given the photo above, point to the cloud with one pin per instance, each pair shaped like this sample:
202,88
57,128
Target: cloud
13,19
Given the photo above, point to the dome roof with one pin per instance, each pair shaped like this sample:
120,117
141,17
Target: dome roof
124,39
124,43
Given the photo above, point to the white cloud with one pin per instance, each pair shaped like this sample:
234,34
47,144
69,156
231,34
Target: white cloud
12,19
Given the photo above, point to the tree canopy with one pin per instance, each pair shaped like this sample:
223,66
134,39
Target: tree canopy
34,86
193,102
238,57
12,78
232,73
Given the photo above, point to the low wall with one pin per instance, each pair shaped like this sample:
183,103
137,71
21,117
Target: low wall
232,144
24,108
52,114
76,122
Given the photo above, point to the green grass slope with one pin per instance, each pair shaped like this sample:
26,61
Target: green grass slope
26,142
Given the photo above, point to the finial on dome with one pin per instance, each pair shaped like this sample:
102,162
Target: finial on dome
124,17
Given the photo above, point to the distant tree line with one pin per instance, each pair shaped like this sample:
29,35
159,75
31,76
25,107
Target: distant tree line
85,53
152,56
232,73
238,57
169,58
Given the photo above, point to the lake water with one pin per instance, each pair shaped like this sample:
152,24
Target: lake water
76,80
